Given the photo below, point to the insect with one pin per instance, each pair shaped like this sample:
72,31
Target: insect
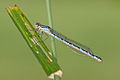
71,43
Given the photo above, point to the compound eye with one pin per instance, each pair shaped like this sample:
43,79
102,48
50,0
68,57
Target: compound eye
38,24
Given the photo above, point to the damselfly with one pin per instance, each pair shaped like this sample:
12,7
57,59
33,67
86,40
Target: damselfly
71,43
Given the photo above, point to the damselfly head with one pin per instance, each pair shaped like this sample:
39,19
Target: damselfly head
38,27
37,23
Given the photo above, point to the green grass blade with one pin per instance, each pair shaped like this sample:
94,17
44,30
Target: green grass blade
50,22
42,53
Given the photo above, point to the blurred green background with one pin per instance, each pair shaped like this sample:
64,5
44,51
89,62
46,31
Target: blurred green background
95,23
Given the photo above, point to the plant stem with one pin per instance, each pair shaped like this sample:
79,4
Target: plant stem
50,22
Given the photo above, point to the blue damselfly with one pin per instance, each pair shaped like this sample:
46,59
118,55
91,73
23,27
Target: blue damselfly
71,43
